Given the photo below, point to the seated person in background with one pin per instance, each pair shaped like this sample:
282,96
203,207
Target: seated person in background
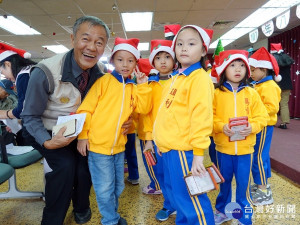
8,98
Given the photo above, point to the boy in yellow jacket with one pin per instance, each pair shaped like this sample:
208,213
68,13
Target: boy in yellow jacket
263,67
109,103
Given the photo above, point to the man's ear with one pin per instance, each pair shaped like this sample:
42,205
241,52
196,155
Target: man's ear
72,40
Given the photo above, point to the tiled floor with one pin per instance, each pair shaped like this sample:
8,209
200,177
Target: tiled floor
140,209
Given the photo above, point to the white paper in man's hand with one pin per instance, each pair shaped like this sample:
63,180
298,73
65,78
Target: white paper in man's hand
13,124
80,118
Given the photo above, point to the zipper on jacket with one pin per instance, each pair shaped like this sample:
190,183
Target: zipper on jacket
116,134
162,102
235,114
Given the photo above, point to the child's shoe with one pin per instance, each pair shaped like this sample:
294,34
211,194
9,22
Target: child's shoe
220,217
150,191
253,188
133,182
261,197
164,214
122,221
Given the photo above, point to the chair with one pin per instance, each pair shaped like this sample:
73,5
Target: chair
15,162
6,171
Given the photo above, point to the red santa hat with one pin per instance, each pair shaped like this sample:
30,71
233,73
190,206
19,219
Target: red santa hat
160,46
205,34
213,73
171,30
7,50
263,59
276,48
228,56
129,45
144,66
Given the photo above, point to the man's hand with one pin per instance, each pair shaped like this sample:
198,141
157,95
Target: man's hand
59,141
127,125
198,168
83,146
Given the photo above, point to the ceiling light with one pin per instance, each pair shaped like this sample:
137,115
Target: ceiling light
56,48
143,46
137,21
15,26
262,15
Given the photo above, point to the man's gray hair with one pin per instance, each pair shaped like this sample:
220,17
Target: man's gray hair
92,20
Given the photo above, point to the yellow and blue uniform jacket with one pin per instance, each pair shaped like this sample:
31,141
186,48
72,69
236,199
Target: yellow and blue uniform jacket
147,121
108,104
184,119
270,94
230,103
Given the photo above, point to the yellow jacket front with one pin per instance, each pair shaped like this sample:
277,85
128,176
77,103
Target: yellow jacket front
270,94
184,119
235,103
108,104
147,121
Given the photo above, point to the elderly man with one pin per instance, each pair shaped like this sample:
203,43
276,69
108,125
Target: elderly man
56,87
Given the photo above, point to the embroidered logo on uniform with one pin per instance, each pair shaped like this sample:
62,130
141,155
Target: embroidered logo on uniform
247,105
173,91
64,100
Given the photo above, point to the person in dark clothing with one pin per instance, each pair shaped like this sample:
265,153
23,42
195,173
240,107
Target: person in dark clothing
57,87
284,62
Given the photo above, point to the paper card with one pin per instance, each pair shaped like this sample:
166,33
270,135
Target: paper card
80,118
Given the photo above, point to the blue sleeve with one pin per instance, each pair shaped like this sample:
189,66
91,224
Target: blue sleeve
36,100
22,82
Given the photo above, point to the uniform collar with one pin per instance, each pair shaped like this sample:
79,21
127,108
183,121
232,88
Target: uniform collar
191,68
120,78
267,78
229,86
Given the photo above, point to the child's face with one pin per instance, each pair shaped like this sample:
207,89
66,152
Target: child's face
163,62
189,47
6,70
124,63
3,94
236,71
258,73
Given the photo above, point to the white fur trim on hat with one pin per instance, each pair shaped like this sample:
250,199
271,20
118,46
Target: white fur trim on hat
126,47
6,54
260,63
203,34
233,57
160,49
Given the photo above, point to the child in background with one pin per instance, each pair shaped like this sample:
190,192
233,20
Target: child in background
162,59
183,124
233,98
8,98
108,104
263,66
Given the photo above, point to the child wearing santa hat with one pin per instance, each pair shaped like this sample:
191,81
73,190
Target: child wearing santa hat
114,96
162,59
263,67
15,66
184,122
234,98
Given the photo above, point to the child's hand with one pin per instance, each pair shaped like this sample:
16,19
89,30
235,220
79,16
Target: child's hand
83,146
140,77
227,131
158,151
198,168
148,145
247,131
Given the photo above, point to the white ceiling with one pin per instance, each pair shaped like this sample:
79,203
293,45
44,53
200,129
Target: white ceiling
53,18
